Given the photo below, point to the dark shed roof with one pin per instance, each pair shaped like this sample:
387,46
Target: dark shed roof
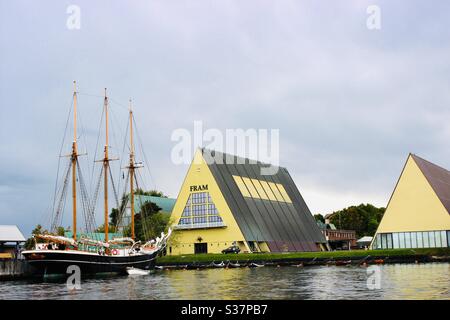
282,225
438,178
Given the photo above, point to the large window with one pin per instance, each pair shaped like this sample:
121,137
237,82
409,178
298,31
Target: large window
200,212
406,240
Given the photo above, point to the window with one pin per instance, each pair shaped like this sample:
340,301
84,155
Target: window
448,239
407,240
432,239
269,191
276,192
389,240
413,239
396,240
444,239
259,189
284,193
200,212
241,185
419,240
251,188
437,236
426,241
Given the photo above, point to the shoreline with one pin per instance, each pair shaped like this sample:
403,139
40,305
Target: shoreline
19,269
338,258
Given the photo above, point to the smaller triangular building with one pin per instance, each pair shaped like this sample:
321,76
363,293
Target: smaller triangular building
418,212
226,200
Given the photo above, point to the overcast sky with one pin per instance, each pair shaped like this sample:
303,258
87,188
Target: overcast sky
350,103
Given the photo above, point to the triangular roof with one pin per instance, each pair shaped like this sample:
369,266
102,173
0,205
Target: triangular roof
279,224
418,200
437,177
10,233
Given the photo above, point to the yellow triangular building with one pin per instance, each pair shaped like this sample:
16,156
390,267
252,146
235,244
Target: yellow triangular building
418,212
226,200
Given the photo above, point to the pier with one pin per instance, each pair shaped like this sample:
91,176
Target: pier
11,269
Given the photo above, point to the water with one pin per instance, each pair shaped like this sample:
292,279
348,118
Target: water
401,281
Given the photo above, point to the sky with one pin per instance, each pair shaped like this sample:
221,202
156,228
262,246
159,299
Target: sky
350,102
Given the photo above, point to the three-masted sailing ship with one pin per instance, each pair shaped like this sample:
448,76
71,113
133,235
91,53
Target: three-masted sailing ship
53,254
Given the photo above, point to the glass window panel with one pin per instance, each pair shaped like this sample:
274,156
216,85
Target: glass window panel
276,192
448,239
389,240
379,241
284,193
395,240
242,187
268,190
437,237
250,187
383,241
260,189
407,240
401,236
444,239
413,239
426,241
432,239
419,240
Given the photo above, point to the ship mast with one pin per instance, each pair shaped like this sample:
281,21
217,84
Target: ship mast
74,159
106,170
131,168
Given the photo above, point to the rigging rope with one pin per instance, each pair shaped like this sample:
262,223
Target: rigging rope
61,202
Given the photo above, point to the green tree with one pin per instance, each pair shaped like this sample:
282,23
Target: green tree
319,217
60,231
364,219
29,244
101,228
149,208
154,193
149,222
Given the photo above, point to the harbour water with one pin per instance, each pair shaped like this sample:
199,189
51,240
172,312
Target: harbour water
397,281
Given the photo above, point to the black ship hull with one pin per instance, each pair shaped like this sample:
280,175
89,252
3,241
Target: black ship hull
57,262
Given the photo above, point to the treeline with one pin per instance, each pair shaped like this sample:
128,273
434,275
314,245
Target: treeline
364,219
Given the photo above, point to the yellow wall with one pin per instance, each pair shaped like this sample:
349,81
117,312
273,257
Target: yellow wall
218,239
414,206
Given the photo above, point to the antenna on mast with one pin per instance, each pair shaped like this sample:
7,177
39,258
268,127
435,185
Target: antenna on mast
106,169
74,158
131,170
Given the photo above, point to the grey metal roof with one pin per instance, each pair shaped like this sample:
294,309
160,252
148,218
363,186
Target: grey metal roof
438,178
283,226
10,233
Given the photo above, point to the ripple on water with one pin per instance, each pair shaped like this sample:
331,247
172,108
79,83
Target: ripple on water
401,281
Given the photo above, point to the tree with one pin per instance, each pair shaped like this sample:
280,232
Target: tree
101,228
154,193
149,222
149,208
319,217
30,241
60,231
364,219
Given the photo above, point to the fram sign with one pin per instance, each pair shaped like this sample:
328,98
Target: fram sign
202,187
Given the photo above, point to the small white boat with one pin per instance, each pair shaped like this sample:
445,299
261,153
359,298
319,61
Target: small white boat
137,272
218,265
255,265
